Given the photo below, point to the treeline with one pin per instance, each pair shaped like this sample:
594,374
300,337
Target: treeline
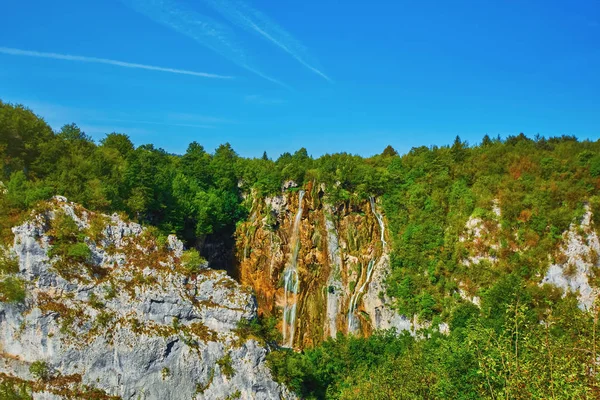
540,185
193,195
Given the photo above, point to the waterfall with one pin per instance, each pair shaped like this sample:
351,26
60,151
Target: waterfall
334,286
291,282
352,320
380,221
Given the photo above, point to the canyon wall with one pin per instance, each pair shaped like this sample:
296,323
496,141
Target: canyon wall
317,267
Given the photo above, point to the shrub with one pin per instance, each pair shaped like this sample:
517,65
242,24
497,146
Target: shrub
261,328
12,290
39,370
79,252
14,390
104,319
226,367
8,264
463,315
192,261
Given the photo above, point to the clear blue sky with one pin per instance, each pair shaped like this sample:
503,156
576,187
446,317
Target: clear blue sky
328,75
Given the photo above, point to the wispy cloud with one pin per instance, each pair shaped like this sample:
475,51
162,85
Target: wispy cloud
216,36
67,57
246,17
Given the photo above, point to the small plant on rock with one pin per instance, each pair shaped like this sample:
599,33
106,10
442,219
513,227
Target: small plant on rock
192,261
12,290
226,367
39,370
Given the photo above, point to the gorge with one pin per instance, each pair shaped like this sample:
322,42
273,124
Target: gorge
443,272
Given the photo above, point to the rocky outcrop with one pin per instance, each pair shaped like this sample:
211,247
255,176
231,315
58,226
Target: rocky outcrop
578,262
340,256
572,267
113,310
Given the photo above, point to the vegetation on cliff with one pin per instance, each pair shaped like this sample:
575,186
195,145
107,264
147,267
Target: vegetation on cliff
519,195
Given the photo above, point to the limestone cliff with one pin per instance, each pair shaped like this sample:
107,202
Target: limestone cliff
317,267
113,312
573,268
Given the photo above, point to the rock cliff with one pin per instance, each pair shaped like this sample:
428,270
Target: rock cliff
320,268
113,311
317,267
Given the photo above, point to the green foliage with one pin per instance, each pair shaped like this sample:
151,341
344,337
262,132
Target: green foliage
523,360
14,390
79,252
104,319
12,290
110,291
226,366
192,261
8,263
428,195
235,395
539,186
463,315
95,302
263,329
23,193
39,370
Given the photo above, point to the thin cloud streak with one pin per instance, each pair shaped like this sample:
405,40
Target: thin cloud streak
248,18
214,35
67,57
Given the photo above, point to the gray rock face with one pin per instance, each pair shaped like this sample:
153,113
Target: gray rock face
129,321
580,249
377,303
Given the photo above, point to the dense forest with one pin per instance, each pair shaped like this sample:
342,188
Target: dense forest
525,340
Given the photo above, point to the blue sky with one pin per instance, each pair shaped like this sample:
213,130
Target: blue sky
328,75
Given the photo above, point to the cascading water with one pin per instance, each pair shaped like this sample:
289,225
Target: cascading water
380,221
352,320
334,281
291,282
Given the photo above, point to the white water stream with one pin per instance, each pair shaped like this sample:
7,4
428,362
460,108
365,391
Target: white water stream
291,282
352,320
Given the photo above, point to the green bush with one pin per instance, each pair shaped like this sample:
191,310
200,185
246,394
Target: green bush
12,290
192,261
14,390
39,370
463,315
79,252
262,328
8,264
226,366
